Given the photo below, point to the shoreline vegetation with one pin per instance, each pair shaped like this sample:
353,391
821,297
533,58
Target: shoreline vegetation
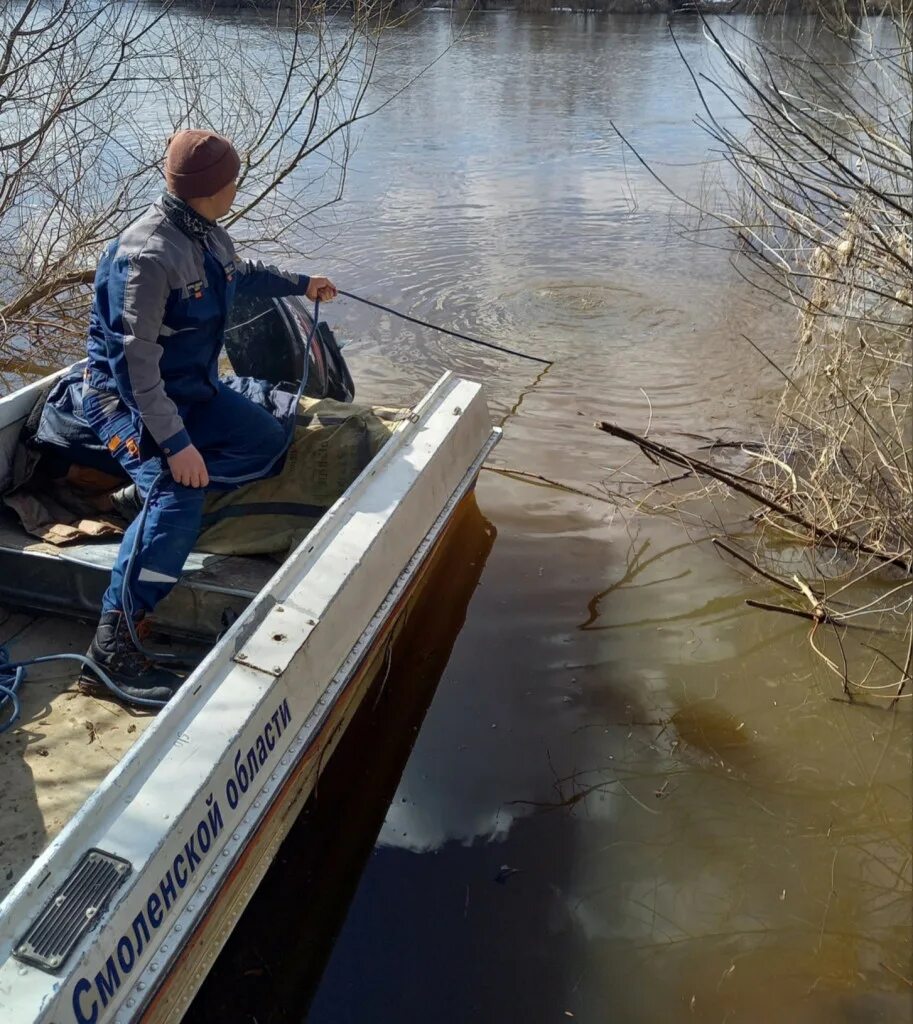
855,9
818,213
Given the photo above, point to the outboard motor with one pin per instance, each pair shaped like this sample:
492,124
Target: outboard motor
266,338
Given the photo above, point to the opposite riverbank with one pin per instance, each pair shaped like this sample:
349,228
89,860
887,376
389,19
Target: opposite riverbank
846,10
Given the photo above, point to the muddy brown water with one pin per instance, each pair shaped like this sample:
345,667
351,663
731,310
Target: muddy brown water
624,796
631,798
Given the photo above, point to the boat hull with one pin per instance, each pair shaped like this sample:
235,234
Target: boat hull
170,1002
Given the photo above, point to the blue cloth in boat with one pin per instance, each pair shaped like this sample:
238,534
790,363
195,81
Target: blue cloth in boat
64,437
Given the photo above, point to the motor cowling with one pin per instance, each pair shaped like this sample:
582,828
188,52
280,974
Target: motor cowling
266,339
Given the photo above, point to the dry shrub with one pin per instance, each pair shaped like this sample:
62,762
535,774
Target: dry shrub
812,121
842,435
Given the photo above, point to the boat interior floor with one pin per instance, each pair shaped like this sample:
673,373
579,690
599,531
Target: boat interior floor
62,745
65,742
71,580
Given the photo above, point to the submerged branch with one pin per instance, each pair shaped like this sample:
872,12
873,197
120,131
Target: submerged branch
656,450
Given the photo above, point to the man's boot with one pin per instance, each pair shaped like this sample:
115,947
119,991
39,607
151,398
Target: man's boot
113,651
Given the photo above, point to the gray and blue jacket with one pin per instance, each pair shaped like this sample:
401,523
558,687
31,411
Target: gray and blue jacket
163,291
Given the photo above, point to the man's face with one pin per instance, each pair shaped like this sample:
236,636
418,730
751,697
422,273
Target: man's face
223,199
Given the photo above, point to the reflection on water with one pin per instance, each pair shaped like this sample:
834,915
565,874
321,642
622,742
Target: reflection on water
695,830
631,798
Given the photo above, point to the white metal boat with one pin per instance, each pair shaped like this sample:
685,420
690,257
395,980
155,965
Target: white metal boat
118,903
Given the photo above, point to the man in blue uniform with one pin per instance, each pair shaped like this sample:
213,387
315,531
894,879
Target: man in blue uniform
163,291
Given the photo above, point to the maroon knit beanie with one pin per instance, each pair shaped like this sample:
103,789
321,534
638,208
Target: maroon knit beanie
199,163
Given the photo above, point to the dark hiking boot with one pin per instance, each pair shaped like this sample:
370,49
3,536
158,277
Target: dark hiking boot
113,651
127,502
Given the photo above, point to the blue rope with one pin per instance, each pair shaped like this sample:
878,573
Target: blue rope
11,677
12,673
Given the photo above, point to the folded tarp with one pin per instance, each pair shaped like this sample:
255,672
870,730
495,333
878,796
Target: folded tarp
63,470
334,441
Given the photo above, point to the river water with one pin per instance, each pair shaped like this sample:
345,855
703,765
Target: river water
631,798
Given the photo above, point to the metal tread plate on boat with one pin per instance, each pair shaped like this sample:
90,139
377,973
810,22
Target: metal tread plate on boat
73,909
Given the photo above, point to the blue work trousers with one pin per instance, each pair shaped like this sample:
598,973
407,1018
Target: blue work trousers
235,437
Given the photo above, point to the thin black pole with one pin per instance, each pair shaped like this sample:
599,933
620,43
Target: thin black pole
444,330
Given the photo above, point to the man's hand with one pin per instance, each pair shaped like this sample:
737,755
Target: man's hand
321,288
188,467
